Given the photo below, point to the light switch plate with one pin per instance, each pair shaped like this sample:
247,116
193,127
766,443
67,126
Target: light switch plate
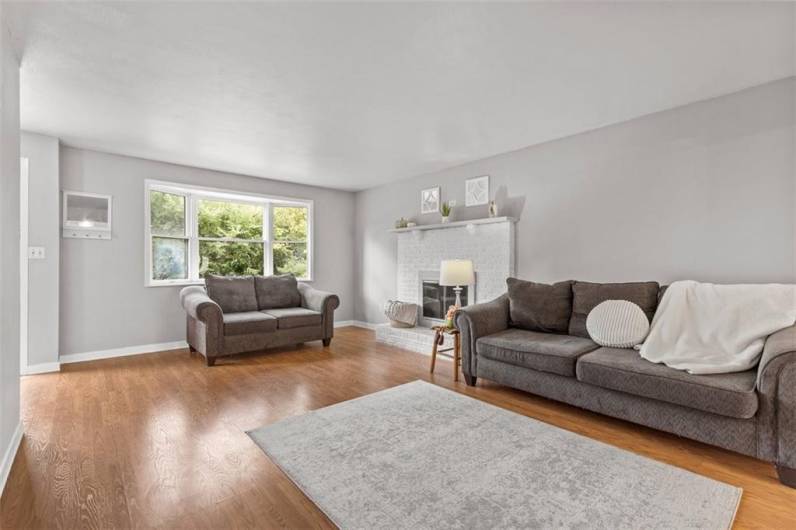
36,253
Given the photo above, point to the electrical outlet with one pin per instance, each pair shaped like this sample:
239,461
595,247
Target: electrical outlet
36,253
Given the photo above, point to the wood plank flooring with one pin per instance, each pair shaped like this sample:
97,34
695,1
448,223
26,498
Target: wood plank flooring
159,440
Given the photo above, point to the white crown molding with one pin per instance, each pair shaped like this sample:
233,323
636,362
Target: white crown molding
122,352
41,368
9,455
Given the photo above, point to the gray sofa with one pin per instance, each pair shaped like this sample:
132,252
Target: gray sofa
751,412
248,313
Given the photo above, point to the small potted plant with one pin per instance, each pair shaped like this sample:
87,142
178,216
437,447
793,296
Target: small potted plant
445,209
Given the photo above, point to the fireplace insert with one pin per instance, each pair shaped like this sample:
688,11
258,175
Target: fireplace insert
438,298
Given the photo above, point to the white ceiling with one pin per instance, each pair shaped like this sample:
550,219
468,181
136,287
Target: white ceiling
356,95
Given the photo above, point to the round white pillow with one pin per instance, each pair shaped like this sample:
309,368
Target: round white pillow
617,324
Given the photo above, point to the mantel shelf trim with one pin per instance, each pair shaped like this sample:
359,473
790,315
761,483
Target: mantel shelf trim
455,224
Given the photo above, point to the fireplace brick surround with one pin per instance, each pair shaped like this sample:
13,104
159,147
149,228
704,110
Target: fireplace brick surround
489,245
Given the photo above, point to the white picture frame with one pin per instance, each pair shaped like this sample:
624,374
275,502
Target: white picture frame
476,191
429,200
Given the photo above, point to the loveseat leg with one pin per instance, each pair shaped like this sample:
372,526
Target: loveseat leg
787,475
210,361
470,379
191,349
326,342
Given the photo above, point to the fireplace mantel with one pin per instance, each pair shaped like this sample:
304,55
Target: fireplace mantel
488,243
456,224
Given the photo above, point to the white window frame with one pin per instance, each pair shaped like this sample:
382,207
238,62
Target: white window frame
192,195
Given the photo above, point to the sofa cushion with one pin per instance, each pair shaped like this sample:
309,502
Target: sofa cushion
624,370
661,292
538,306
277,291
295,317
546,352
234,294
248,322
586,296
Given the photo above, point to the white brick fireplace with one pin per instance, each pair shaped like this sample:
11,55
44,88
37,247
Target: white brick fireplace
490,246
488,243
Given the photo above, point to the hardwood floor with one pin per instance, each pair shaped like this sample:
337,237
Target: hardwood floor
159,440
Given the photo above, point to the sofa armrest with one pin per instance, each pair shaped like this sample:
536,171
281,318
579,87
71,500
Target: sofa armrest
198,305
777,345
480,320
322,301
776,415
317,300
205,323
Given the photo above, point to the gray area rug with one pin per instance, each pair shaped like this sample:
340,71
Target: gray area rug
420,456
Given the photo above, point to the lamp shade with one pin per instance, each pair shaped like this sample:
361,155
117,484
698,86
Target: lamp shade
456,272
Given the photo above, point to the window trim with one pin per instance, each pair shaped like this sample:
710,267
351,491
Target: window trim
192,194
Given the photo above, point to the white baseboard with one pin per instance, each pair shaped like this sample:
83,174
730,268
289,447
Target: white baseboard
41,368
355,323
122,352
8,456
163,346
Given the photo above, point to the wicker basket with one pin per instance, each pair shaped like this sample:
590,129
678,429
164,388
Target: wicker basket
401,314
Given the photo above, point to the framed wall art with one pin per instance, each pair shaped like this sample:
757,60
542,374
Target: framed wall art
429,200
476,191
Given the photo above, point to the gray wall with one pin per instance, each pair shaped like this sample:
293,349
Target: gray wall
104,303
704,191
43,231
9,241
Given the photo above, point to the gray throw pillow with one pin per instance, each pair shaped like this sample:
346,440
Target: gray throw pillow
540,307
234,294
586,296
274,292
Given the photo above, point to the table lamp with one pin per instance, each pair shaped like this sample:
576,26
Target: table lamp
455,273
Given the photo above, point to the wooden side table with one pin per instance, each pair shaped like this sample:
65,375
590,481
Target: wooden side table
439,336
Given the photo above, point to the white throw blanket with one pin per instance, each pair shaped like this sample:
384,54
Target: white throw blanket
714,329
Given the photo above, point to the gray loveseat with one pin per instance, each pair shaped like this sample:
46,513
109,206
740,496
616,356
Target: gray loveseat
248,313
752,412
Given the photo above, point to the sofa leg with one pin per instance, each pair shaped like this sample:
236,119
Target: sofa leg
191,349
210,361
787,475
327,342
470,379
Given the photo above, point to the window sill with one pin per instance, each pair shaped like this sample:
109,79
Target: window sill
186,283
181,283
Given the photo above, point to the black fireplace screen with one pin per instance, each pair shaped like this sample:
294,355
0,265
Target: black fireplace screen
438,298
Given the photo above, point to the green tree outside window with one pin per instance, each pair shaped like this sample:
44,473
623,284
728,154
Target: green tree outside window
290,240
240,227
169,244
229,236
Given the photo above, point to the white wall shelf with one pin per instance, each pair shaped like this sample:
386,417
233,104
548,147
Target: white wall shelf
455,224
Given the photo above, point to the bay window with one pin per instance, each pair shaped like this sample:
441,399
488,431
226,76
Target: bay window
192,232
